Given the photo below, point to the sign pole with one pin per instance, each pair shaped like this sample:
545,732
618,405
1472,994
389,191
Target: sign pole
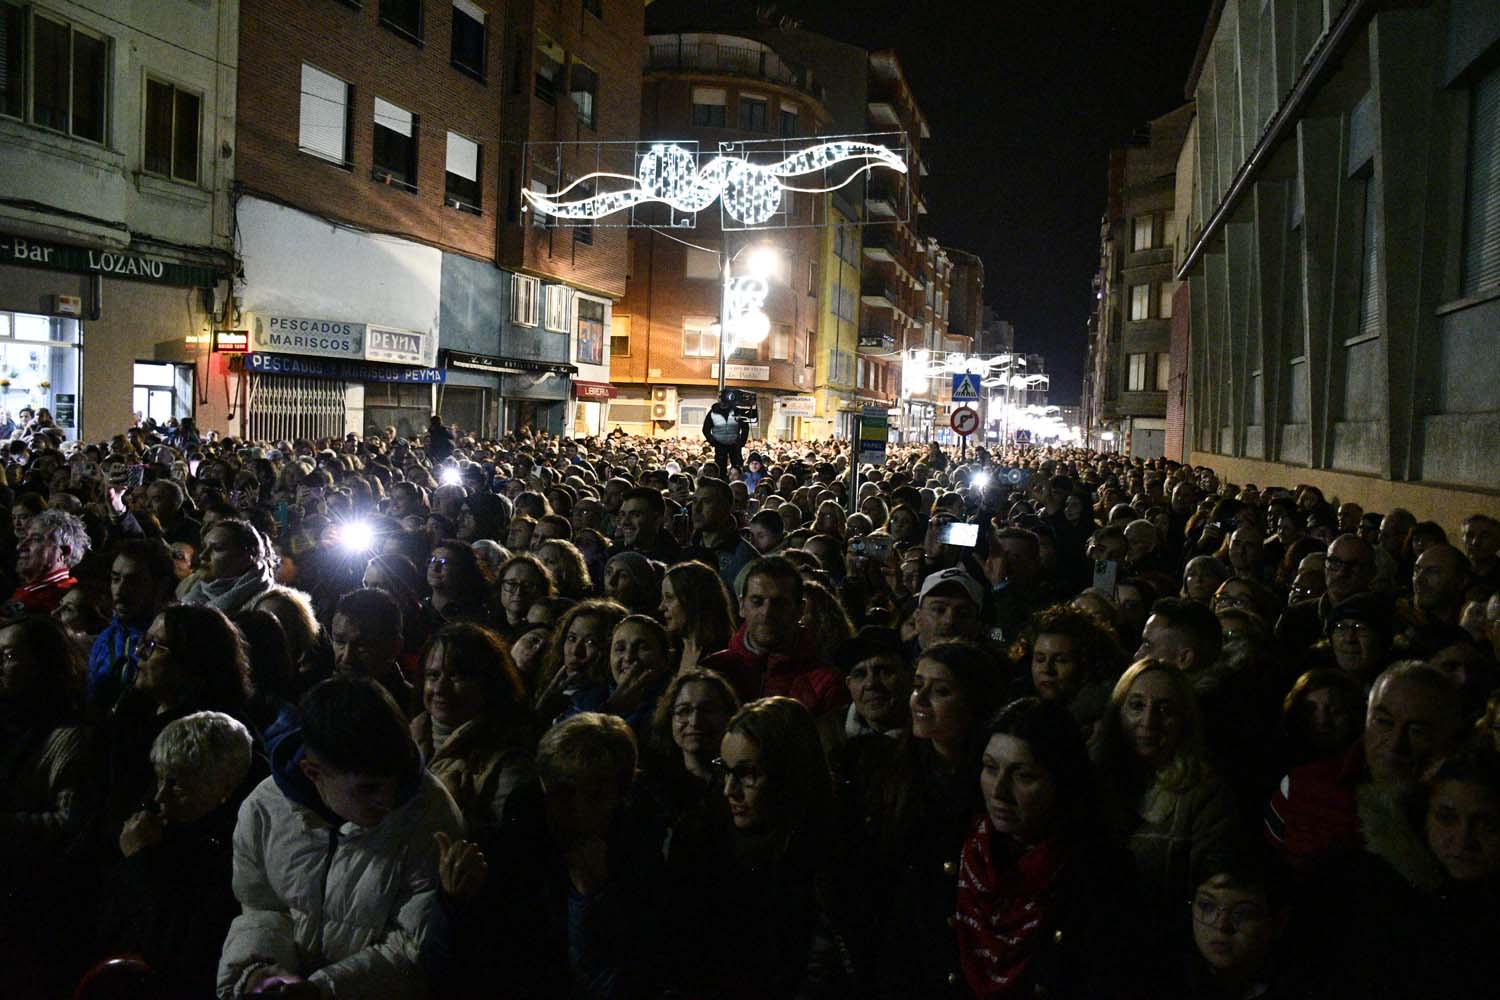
854,464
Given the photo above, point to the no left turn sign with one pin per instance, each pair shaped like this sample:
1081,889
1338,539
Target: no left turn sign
965,421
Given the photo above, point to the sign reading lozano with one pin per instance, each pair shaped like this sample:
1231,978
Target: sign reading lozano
115,263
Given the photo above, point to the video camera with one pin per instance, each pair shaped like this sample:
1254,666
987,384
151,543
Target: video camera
746,405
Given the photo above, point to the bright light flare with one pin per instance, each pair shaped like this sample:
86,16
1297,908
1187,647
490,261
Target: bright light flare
450,477
980,480
357,536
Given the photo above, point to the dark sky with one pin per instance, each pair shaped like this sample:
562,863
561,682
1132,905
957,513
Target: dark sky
1025,98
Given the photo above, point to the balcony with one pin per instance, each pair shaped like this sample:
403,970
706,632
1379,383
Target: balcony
876,342
882,243
726,55
877,294
884,113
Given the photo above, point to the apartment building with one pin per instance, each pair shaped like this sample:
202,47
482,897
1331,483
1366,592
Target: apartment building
117,149
1344,257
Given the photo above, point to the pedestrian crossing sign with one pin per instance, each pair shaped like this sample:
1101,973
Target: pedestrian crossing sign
965,387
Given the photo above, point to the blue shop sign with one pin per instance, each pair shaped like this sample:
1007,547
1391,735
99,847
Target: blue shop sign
337,368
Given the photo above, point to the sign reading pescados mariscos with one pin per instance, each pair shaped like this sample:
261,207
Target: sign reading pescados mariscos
325,338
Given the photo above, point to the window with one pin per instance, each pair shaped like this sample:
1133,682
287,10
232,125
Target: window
1140,301
1136,379
403,16
461,179
1141,240
68,77
700,337
787,127
584,87
1481,264
1369,273
781,339
752,113
590,336
395,145
1164,299
324,129
537,218
171,131
524,292
708,107
12,61
619,336
1169,230
583,229
468,38
594,7
702,264
549,68
556,316
1163,372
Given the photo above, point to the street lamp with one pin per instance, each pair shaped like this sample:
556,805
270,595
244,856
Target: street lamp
741,299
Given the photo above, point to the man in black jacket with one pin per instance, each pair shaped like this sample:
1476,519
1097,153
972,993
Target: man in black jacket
727,432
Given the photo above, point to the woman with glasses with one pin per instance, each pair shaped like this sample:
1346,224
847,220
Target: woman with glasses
459,586
1240,912
522,581
1045,904
1248,595
908,805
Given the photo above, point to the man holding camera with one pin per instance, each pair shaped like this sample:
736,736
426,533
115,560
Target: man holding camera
727,432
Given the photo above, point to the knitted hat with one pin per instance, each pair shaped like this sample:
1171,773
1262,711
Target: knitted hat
647,573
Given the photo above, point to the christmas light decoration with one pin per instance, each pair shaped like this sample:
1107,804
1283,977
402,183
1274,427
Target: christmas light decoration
749,193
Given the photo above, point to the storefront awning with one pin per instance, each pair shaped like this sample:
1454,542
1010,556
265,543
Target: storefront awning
593,390
504,366
337,368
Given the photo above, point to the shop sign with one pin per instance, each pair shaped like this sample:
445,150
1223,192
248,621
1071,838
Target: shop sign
798,406
745,373
231,341
115,263
593,390
874,433
64,409
344,370
322,338
504,366
400,347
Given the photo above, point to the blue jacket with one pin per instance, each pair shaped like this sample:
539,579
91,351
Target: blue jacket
114,659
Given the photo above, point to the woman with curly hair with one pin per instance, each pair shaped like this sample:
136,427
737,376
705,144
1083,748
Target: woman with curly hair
1073,659
569,571
575,676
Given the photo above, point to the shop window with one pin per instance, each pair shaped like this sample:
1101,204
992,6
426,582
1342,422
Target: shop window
468,38
556,316
708,107
171,131
404,17
69,76
619,336
462,176
324,127
590,335
39,368
700,337
752,113
583,85
395,154
549,68
524,305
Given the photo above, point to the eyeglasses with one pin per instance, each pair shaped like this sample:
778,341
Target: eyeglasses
437,561
1357,627
1342,565
1210,913
149,646
519,586
744,775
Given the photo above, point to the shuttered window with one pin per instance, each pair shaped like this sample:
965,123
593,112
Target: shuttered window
1481,268
1369,269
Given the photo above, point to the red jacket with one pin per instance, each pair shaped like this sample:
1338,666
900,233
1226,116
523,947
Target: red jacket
799,674
42,597
1313,813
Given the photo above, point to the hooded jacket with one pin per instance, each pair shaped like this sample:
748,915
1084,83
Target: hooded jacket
799,673
347,908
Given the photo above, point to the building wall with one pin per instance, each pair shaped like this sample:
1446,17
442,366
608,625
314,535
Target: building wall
349,42
1330,325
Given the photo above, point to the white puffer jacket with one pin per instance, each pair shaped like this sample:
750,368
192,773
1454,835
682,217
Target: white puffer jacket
346,907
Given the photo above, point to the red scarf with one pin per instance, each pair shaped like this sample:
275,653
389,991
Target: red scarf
1005,914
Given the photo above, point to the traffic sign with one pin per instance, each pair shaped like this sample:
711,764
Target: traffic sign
966,387
965,420
874,432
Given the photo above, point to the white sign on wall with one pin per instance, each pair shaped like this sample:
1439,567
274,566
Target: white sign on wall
797,406
745,373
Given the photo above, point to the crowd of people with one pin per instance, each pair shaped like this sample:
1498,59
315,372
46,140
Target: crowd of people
545,717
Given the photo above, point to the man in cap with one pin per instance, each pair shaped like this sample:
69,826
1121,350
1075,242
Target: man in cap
879,681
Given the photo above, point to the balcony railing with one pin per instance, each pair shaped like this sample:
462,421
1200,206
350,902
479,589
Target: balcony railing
877,341
726,56
882,293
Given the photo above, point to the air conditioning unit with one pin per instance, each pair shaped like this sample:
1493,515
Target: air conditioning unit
664,403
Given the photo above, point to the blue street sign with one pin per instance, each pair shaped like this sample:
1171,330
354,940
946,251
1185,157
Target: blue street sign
965,387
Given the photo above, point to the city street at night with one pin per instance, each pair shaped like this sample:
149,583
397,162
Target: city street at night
676,499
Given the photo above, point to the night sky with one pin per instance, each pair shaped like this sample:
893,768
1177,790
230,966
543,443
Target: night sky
1025,99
